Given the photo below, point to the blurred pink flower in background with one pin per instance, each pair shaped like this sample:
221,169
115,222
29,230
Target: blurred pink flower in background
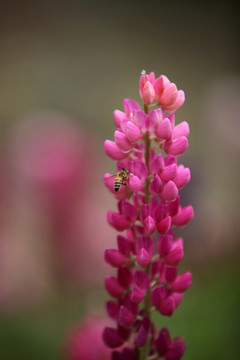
85,341
55,206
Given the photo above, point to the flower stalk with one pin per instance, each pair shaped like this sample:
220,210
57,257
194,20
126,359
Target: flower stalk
149,208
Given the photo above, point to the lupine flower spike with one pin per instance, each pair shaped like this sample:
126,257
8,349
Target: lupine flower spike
147,182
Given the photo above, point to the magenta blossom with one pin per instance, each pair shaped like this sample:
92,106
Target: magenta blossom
85,341
146,149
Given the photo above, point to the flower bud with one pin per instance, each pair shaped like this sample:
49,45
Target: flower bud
182,282
169,192
163,341
183,216
147,93
164,225
125,318
118,117
113,287
177,349
141,337
112,309
118,221
156,186
183,177
137,294
133,133
113,151
111,338
164,244
169,172
176,253
176,147
164,129
178,102
122,141
124,245
179,130
134,184
157,164
143,258
149,225
167,306
158,295
114,258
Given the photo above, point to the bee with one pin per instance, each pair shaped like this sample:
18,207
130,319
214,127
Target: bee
121,178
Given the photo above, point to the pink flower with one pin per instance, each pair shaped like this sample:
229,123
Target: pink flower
85,341
149,205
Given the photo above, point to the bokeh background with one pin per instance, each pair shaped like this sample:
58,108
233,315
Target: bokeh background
64,67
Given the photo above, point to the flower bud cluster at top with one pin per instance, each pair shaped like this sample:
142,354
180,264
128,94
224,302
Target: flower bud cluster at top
147,144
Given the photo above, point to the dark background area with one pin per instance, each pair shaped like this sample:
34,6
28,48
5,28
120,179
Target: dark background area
76,61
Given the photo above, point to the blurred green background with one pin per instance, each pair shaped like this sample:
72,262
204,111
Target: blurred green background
75,61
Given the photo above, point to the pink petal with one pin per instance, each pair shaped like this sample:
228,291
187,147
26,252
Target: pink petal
164,225
111,338
133,133
113,287
157,164
167,306
125,318
176,253
118,221
122,141
164,129
179,130
118,116
169,172
134,184
169,192
169,95
149,225
182,282
183,216
148,93
114,258
183,177
164,244
156,186
178,102
130,106
177,147
113,151
143,258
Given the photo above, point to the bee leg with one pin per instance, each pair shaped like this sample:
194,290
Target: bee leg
124,183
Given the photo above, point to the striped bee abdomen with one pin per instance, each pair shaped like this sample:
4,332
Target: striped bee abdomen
117,183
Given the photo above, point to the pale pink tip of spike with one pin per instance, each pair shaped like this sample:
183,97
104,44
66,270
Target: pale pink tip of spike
143,257
118,221
177,147
179,130
125,317
114,258
113,287
183,177
164,129
169,192
164,225
167,306
176,253
149,225
182,282
169,172
183,216
134,184
133,133
156,186
157,164
176,351
118,117
111,338
137,294
113,151
122,141
147,93
178,102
